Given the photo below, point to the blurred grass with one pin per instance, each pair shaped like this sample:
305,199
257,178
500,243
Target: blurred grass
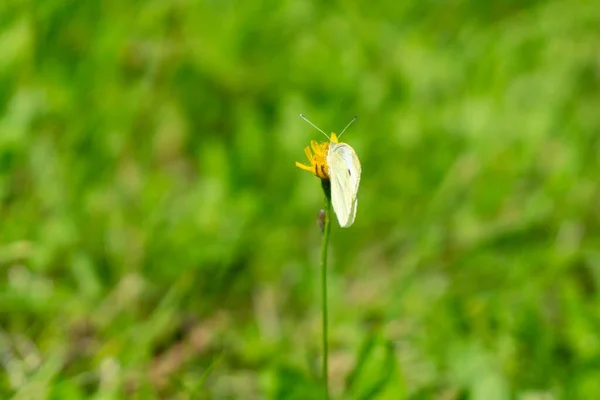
157,241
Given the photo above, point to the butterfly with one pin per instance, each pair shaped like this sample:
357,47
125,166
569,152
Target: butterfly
338,163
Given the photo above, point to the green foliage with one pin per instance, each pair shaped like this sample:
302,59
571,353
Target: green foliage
156,240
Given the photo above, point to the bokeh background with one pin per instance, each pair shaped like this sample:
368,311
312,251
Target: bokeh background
157,241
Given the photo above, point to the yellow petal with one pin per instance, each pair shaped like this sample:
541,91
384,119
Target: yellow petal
305,167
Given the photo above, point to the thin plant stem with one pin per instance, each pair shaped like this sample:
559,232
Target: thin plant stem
324,246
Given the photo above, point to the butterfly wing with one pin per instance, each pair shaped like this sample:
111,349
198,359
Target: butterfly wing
344,174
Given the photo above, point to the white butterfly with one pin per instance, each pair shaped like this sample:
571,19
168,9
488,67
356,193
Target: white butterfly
341,165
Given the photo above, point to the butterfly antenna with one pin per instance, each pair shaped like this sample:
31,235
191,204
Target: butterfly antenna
314,126
349,123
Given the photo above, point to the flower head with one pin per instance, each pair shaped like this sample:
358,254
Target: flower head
317,158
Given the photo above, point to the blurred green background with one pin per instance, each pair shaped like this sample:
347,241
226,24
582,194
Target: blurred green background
157,241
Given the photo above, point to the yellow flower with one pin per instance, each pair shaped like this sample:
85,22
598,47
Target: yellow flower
318,161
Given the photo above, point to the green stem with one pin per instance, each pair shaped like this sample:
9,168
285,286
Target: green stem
324,245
